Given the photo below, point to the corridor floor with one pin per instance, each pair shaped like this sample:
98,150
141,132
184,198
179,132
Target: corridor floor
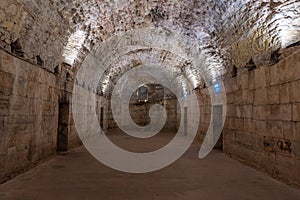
78,176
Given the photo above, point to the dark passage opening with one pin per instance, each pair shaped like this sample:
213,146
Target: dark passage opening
102,118
217,126
63,127
185,121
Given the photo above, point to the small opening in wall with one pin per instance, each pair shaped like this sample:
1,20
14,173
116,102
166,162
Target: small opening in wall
234,71
39,60
251,65
63,127
142,94
218,126
275,56
16,48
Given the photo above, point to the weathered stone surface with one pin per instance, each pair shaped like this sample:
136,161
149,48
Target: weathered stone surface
284,93
294,91
28,115
280,112
260,77
261,96
296,112
6,84
274,95
272,120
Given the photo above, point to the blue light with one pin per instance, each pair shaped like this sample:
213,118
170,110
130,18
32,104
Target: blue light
217,88
185,95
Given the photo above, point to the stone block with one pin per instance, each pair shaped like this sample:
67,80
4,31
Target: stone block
246,139
282,112
239,124
45,92
285,167
247,155
294,91
49,124
239,111
7,64
69,86
22,68
267,161
297,131
3,137
23,142
260,127
231,85
231,110
249,125
49,108
284,93
274,129
248,96
32,107
260,143
260,77
230,123
228,135
51,79
289,130
20,125
251,79
18,105
33,73
260,112
296,149
20,87
279,73
6,83
42,77
238,100
296,112
244,81
33,89
293,63
248,111
261,96
230,98
274,94
4,105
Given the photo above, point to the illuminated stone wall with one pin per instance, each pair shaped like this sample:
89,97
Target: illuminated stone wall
262,121
30,114
139,111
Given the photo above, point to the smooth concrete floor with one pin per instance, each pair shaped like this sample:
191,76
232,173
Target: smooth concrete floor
78,176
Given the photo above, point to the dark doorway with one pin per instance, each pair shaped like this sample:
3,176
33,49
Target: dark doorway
102,118
63,127
218,125
185,118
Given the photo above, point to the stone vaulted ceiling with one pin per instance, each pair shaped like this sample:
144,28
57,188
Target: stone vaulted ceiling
230,33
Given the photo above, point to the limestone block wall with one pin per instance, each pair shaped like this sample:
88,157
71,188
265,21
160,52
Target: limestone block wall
139,111
205,112
30,112
263,118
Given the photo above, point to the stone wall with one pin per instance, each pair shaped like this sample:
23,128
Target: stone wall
29,114
263,118
205,112
139,111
